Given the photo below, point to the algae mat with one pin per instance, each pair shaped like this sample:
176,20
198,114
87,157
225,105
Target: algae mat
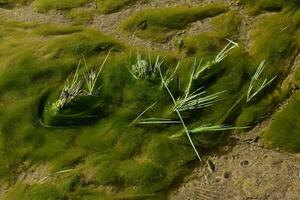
86,111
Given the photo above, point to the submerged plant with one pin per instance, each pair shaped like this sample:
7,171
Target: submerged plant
74,88
91,78
71,89
153,120
143,68
190,100
142,113
179,115
169,78
196,99
53,175
250,93
199,68
208,128
224,52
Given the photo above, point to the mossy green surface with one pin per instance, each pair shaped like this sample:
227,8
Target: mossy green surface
274,38
284,129
74,8
157,24
45,5
227,24
206,44
110,157
50,29
108,6
81,16
141,168
278,39
269,5
296,77
103,6
11,3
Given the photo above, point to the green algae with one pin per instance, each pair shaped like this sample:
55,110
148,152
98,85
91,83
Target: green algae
51,29
278,39
284,129
11,3
109,6
206,44
45,63
104,6
80,16
296,76
157,24
111,157
227,24
88,42
269,5
74,10
45,5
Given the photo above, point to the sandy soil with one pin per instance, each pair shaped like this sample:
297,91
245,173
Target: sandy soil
247,172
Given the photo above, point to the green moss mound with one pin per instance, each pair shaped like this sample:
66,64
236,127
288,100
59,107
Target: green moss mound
269,5
45,5
81,16
157,24
279,38
108,6
206,44
83,110
284,129
104,6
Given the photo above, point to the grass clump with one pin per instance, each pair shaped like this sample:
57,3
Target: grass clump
192,100
77,98
91,78
284,129
145,67
251,94
70,90
157,24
